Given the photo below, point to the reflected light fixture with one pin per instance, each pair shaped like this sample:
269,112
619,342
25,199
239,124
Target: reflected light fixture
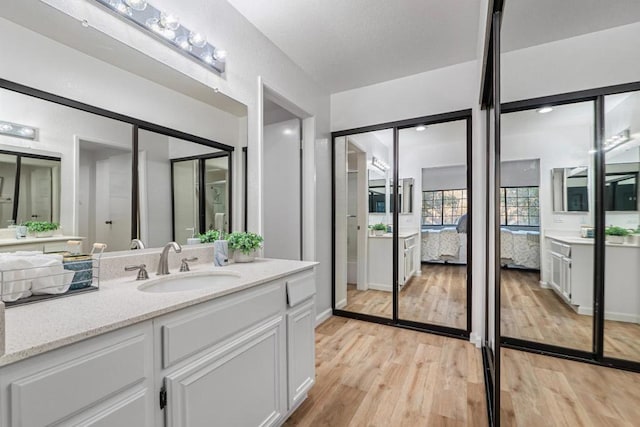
617,140
545,110
288,131
18,131
168,28
379,164
421,128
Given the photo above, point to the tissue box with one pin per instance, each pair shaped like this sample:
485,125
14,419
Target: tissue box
83,266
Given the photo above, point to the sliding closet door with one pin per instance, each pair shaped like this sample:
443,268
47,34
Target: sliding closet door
433,228
621,147
363,220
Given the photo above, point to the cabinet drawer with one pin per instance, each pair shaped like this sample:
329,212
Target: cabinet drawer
198,328
49,396
300,287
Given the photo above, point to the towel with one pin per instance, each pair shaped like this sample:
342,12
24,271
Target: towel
27,273
218,222
12,278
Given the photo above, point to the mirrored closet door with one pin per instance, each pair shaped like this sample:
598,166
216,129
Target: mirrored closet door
363,204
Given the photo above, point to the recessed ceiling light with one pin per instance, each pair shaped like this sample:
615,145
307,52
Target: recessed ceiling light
545,110
421,128
288,132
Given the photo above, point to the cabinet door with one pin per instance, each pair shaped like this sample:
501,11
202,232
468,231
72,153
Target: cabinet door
236,385
300,352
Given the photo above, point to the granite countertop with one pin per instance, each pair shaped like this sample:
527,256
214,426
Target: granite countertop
14,241
577,240
37,328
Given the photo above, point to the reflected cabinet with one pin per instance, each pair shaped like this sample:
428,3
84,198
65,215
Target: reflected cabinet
401,204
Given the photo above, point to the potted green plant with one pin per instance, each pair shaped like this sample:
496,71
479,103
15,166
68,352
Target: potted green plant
210,236
634,237
616,234
379,229
41,228
244,245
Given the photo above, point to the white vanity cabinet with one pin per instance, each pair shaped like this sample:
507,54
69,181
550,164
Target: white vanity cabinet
104,381
242,359
301,319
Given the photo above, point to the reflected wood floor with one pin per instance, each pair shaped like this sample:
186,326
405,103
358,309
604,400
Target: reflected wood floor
545,391
374,375
438,297
533,313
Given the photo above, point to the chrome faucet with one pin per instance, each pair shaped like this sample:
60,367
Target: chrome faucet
136,244
163,265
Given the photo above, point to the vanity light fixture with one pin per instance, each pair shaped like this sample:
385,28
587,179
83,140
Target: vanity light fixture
18,131
379,164
545,110
168,28
421,128
617,140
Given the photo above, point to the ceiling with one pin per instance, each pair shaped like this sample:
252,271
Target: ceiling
527,23
349,44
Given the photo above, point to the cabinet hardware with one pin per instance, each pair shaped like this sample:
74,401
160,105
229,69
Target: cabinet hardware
163,397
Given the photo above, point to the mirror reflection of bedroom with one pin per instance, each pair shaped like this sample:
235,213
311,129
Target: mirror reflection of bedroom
432,226
547,204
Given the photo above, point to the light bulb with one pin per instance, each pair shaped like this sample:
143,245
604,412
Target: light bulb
6,127
138,5
207,57
169,21
26,131
155,25
545,110
197,39
183,43
421,128
219,54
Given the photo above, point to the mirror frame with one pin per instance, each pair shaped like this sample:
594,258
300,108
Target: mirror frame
137,124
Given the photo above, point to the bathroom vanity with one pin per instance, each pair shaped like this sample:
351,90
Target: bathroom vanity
237,348
571,275
380,269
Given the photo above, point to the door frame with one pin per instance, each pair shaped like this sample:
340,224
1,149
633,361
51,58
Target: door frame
465,115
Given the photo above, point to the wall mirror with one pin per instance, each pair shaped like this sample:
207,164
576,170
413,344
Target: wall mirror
570,189
381,193
79,171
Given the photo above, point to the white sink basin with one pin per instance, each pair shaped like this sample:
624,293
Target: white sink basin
181,283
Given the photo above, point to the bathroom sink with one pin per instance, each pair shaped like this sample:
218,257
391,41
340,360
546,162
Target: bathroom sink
180,283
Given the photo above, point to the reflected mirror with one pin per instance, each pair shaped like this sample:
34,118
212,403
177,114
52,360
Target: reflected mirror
363,243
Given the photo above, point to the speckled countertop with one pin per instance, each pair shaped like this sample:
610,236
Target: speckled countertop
37,328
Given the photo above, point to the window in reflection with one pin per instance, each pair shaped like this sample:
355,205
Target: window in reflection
8,169
39,198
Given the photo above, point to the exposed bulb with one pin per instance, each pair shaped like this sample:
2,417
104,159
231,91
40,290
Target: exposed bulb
197,39
6,127
207,57
169,21
26,131
138,5
183,43
155,25
220,54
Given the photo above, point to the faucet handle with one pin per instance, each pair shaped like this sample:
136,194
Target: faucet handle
185,266
142,271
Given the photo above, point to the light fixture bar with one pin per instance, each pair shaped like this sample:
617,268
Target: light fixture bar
167,28
18,131
379,164
617,140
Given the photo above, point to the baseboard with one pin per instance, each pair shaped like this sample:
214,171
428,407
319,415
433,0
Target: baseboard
475,339
380,287
341,304
545,285
323,316
608,315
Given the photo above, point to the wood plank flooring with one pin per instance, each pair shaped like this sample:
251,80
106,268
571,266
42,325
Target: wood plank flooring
533,313
374,375
438,296
547,391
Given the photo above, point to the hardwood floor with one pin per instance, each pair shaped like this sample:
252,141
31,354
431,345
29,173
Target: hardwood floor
547,391
374,375
438,296
533,313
